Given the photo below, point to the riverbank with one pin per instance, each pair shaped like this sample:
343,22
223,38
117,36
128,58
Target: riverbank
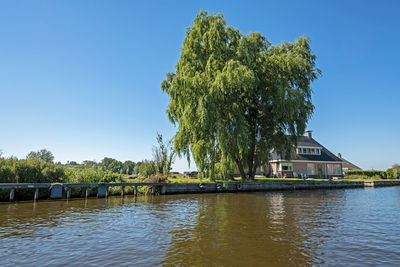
60,190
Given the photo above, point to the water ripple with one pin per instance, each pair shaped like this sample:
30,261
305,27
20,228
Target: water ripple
355,227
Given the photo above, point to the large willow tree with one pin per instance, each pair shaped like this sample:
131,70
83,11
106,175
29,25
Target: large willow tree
235,97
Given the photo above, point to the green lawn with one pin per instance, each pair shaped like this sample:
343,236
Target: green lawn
364,178
182,179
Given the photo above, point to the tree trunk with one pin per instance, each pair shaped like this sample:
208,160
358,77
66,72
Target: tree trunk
241,169
255,165
252,149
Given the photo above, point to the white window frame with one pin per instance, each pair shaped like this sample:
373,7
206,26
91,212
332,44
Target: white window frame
308,150
289,165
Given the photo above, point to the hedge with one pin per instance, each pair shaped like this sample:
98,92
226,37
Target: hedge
368,173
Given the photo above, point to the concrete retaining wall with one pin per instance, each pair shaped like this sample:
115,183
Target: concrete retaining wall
265,186
56,190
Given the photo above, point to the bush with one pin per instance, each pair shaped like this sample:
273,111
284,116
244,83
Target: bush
30,171
367,173
111,177
393,173
147,168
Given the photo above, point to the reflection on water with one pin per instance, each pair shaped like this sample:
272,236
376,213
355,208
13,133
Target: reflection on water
321,227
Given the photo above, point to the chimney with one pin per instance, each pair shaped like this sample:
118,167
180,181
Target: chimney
339,155
309,134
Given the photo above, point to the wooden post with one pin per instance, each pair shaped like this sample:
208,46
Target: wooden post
36,195
12,194
135,191
122,190
153,190
87,192
68,193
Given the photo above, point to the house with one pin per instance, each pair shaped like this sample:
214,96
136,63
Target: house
310,159
347,165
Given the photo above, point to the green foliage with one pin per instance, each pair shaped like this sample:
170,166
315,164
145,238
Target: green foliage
136,170
30,171
43,155
235,97
224,170
367,173
111,177
163,155
110,164
88,176
115,166
128,167
89,164
394,172
147,168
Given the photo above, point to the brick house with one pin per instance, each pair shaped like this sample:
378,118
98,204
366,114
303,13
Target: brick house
310,159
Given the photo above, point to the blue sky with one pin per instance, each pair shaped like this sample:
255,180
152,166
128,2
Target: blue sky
82,78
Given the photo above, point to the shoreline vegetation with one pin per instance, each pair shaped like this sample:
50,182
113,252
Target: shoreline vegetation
39,167
25,191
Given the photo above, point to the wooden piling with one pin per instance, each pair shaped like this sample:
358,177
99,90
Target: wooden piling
36,195
87,192
122,190
135,191
12,194
68,193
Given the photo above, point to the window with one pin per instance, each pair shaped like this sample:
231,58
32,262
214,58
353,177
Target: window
285,167
311,170
334,169
308,151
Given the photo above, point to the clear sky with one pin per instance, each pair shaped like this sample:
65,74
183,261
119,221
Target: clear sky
82,78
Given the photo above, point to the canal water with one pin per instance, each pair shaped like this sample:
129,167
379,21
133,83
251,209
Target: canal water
351,227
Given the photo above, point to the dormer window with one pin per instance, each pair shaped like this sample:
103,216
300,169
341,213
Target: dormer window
308,151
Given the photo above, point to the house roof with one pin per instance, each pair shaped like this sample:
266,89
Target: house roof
326,155
307,142
348,165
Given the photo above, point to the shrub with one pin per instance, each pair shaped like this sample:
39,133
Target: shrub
30,171
368,173
85,176
111,177
147,168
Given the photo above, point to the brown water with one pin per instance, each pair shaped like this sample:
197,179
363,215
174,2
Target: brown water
354,227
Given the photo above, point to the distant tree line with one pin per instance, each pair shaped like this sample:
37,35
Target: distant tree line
106,164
